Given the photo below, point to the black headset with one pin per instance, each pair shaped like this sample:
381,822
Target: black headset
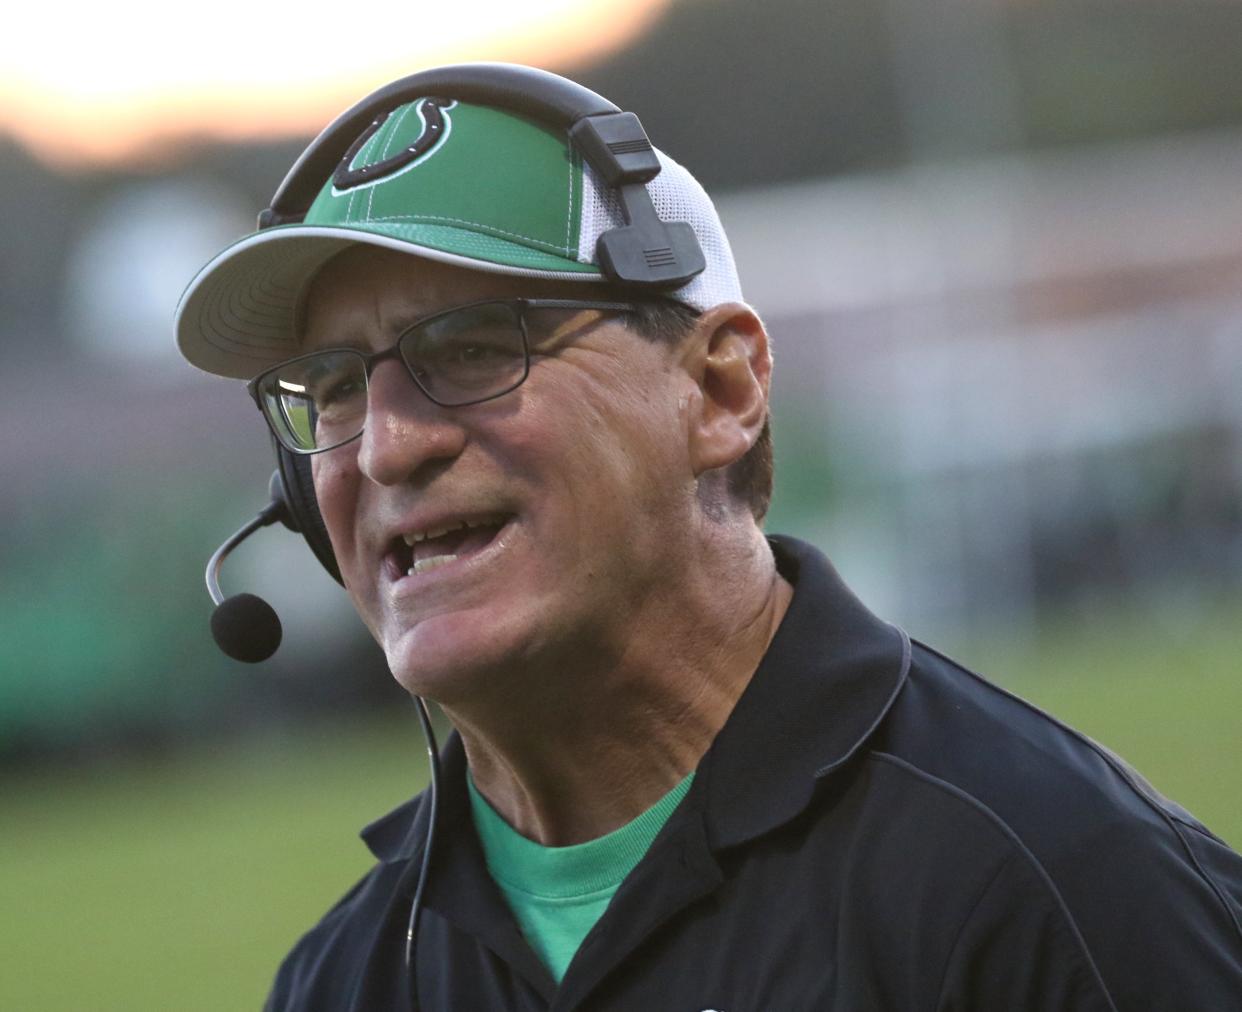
644,253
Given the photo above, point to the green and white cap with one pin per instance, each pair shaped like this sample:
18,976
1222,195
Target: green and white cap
458,183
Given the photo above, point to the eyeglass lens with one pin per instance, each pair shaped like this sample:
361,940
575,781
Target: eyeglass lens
469,355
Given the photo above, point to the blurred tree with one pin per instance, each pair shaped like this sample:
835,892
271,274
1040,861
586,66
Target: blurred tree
761,93
1103,69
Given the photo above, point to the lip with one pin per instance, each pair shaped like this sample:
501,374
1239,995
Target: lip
439,520
403,584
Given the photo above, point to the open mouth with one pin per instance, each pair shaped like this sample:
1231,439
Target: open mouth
427,550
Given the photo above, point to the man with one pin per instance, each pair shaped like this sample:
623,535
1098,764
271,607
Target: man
690,770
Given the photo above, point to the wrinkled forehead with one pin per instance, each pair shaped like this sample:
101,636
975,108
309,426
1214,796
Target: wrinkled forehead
366,295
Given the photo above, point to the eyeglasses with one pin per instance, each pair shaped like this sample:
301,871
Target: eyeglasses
466,355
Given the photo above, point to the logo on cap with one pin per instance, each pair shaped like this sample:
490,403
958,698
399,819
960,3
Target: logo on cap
432,113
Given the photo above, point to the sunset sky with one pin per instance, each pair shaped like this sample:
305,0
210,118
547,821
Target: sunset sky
95,83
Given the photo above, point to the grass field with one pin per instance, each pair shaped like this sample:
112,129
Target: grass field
179,884
1163,688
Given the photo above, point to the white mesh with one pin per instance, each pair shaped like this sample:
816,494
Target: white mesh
677,196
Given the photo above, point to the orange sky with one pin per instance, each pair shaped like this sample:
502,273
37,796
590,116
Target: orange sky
129,77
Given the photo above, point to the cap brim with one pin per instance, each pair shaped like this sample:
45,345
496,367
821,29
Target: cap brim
238,314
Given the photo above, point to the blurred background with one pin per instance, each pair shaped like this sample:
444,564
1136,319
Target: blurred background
999,247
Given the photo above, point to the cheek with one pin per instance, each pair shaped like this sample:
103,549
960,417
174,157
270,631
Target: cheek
335,492
631,460
650,433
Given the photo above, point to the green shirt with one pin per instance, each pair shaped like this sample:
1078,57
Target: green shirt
558,893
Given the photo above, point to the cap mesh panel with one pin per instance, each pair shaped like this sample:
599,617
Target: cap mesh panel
676,196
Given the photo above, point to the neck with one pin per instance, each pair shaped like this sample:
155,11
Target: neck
616,724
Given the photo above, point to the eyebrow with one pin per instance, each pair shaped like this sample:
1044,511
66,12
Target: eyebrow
300,329
408,320
405,321
344,338
339,343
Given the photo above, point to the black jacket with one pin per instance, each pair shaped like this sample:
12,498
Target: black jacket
874,828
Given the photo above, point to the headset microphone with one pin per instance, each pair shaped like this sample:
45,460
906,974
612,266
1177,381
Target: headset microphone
245,626
247,629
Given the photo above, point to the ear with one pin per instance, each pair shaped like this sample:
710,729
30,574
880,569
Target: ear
730,361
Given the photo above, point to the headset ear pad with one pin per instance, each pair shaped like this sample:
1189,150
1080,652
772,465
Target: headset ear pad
298,489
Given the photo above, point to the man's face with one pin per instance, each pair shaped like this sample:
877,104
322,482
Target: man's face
578,485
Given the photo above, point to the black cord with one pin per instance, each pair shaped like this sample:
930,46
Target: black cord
433,763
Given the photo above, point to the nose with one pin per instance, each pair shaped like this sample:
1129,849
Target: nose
405,431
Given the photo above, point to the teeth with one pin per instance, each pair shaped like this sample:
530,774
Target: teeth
437,532
422,565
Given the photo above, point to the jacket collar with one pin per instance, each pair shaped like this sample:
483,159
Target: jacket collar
399,834
831,673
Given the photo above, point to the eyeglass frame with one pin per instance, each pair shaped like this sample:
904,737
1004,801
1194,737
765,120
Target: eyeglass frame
371,359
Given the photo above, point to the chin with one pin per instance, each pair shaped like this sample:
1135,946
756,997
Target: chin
452,658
